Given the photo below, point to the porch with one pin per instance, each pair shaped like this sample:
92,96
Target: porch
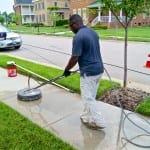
101,17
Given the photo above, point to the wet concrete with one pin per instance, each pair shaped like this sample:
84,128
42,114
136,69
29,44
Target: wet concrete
58,111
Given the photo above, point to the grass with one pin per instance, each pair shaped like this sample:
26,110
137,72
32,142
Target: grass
50,72
19,133
144,108
40,30
141,34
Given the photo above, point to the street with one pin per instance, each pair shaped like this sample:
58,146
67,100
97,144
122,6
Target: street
57,50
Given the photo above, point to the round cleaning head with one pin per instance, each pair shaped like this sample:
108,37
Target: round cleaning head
29,94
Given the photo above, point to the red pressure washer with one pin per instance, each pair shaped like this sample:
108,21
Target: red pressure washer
30,94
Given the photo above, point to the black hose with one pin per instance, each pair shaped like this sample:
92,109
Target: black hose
122,122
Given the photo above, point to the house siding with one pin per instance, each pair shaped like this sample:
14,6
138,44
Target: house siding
81,7
42,14
25,9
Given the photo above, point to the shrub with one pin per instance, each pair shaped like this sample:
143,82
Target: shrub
61,22
66,26
99,27
33,24
144,107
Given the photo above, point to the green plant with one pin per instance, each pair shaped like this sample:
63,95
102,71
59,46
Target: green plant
144,107
99,27
19,133
61,22
2,19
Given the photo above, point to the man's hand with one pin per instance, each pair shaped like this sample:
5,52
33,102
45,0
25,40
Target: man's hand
66,73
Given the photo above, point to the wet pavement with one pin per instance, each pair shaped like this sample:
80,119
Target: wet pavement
58,111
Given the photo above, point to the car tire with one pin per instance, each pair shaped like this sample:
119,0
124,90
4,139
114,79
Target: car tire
17,47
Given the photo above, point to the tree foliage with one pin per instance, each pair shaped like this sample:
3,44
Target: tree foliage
16,18
54,15
2,19
8,18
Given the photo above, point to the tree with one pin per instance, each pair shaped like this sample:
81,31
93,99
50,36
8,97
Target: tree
15,18
147,12
6,18
2,19
54,15
130,8
4,14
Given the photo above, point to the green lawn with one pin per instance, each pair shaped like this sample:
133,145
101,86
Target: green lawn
40,30
144,108
19,133
135,34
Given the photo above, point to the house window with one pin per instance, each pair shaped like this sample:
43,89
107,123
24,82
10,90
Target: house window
35,7
24,18
84,13
36,19
43,6
40,18
79,11
55,3
32,9
144,15
43,18
66,4
32,18
74,11
63,16
38,6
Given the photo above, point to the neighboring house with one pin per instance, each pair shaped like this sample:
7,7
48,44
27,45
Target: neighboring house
81,7
42,14
92,13
25,9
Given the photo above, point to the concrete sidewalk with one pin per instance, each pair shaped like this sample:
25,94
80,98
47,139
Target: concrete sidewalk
59,112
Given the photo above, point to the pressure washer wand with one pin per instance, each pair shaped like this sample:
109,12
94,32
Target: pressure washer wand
54,79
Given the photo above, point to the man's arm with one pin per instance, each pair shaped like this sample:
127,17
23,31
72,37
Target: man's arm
72,62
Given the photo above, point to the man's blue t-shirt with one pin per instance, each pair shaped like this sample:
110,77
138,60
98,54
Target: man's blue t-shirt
86,46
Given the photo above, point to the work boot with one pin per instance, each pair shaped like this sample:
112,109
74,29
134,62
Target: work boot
95,121
92,125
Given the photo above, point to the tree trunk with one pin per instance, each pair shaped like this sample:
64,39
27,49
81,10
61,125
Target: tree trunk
125,57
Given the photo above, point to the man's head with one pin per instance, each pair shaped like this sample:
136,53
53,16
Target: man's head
75,22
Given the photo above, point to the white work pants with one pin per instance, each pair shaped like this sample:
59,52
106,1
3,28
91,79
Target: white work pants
91,112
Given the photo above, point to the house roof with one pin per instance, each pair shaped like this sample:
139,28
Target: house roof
95,4
23,1
98,3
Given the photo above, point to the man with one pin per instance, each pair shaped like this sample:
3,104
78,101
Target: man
86,52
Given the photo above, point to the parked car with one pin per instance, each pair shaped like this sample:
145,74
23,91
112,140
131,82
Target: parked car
9,39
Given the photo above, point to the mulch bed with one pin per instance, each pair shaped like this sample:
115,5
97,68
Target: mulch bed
129,98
